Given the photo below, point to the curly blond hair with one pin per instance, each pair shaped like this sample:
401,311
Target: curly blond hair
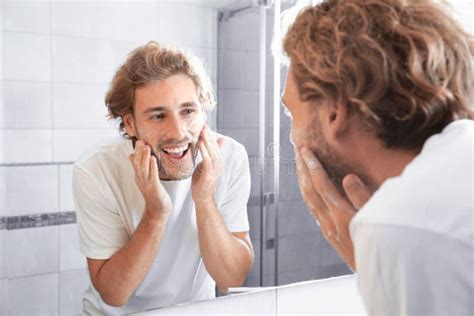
404,66
149,63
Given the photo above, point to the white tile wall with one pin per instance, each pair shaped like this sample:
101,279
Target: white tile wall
66,199
70,257
26,105
3,268
31,190
209,58
82,60
2,103
297,252
36,295
187,25
238,108
231,74
240,32
26,16
124,20
291,190
328,255
254,221
310,273
36,248
3,186
3,297
238,70
30,145
254,176
70,144
295,219
72,285
1,40
79,106
248,137
463,12
22,66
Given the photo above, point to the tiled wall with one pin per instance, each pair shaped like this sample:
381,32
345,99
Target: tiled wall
57,58
303,254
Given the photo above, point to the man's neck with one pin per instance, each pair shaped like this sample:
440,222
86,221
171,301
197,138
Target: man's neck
380,163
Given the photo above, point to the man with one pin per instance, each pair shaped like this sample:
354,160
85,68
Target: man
380,95
162,213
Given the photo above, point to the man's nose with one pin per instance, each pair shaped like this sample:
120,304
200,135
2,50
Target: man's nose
176,129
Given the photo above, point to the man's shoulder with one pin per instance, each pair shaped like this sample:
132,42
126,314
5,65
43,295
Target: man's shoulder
103,154
231,150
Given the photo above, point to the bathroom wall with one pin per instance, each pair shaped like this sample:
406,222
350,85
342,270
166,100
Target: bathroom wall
57,59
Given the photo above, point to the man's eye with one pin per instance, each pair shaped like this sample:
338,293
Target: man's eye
157,117
188,111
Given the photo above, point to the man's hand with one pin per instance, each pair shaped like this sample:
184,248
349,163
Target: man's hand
209,170
148,181
332,211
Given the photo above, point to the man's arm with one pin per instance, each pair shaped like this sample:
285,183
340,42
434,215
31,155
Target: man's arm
228,256
116,278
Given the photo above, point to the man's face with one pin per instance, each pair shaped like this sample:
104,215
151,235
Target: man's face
306,132
168,117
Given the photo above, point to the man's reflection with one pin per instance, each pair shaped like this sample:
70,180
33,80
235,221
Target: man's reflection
162,213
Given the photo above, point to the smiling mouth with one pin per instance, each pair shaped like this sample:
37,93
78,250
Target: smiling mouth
176,152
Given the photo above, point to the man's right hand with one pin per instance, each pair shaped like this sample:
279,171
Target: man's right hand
148,181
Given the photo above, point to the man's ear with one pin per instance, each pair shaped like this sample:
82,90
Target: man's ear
336,120
129,123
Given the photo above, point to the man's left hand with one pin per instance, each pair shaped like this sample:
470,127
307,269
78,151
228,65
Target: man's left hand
333,211
209,170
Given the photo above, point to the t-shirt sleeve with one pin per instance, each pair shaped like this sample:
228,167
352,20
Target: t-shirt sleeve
101,231
408,271
234,205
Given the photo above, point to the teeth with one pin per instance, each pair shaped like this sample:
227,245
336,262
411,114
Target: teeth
175,150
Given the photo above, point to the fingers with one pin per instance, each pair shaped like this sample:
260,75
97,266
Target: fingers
204,152
141,160
145,163
339,210
210,143
312,199
356,191
321,182
154,168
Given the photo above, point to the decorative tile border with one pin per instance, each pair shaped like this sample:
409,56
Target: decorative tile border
37,220
61,218
3,222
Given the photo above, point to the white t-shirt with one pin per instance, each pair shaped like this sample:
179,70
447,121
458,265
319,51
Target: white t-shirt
414,239
109,207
